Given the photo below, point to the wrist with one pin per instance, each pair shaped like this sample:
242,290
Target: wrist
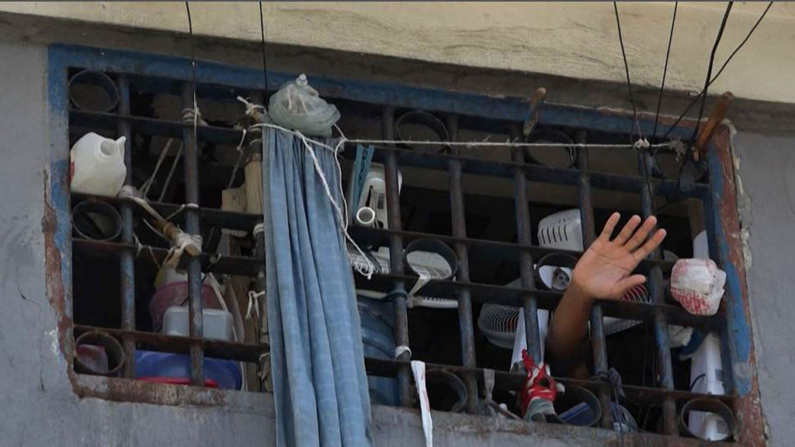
579,293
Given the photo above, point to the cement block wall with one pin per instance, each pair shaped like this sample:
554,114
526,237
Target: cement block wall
39,407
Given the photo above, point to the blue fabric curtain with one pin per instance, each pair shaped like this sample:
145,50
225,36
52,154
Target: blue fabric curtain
320,385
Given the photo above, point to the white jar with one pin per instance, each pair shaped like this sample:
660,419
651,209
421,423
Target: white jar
98,165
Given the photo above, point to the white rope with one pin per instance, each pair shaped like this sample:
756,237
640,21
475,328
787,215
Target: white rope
368,268
253,303
150,181
508,144
241,153
170,173
182,241
399,350
250,106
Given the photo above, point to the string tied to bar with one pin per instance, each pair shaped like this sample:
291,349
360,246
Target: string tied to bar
193,116
366,268
253,303
400,350
251,108
183,243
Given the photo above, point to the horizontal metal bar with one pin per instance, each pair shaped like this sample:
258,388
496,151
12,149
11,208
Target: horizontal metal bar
209,216
246,352
512,296
513,381
534,172
499,107
405,157
154,126
233,265
481,248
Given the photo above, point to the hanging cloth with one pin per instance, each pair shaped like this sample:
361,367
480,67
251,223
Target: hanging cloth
319,381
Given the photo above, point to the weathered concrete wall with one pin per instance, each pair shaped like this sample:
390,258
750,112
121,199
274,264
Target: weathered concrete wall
767,174
41,409
576,40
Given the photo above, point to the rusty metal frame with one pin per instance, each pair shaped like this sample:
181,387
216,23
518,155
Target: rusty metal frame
719,195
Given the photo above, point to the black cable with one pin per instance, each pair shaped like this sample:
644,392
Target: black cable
695,381
695,100
709,71
192,48
626,69
665,70
264,57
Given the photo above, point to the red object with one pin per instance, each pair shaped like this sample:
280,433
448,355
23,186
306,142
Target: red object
209,383
538,384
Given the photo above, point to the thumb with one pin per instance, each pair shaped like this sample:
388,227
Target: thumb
627,283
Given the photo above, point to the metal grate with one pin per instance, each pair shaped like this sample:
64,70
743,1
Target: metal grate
126,70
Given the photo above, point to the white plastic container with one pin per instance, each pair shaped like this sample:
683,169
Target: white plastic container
217,323
706,374
98,165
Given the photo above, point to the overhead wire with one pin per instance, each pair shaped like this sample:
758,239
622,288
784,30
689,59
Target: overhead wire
731,56
264,56
665,70
641,150
626,69
709,70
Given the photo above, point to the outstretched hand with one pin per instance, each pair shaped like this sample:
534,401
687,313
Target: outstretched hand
604,269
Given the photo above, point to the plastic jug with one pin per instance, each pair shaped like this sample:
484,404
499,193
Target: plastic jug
98,165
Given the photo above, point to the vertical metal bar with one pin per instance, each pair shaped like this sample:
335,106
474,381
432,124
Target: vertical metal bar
396,255
192,227
656,286
526,270
127,261
458,218
588,236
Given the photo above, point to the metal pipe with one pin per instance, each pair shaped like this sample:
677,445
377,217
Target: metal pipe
597,314
656,289
523,232
396,256
192,227
127,260
465,322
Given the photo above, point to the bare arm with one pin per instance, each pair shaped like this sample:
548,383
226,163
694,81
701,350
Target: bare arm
602,272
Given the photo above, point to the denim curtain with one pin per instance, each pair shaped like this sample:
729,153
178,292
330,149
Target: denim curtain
319,381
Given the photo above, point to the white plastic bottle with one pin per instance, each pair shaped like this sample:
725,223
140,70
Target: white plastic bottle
98,165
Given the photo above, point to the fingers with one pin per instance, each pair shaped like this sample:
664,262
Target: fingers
641,234
626,232
650,245
627,283
607,231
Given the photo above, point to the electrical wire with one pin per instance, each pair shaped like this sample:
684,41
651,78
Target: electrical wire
665,70
626,69
264,57
709,70
641,151
701,93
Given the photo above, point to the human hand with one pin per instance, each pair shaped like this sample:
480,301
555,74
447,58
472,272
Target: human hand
604,269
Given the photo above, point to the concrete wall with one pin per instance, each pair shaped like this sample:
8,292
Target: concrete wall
767,172
41,409
576,40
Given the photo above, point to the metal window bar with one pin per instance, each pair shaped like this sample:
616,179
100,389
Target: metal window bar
458,224
597,316
523,235
192,228
127,262
656,289
398,291
462,289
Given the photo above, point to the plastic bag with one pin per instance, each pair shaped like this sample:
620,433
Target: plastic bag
297,106
697,284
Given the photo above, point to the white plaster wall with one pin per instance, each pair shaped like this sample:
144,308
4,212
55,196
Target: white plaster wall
577,40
